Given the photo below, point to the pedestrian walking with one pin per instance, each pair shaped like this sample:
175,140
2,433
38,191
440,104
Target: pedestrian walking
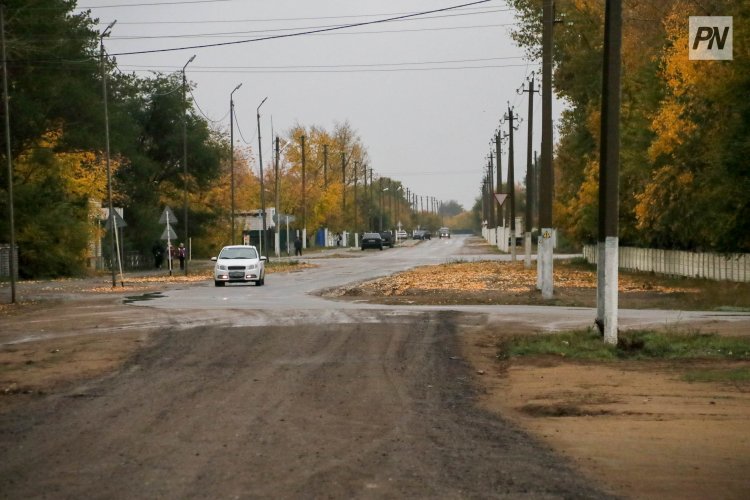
297,246
181,254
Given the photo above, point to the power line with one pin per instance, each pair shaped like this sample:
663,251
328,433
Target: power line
302,33
195,101
283,19
252,32
152,4
326,66
361,70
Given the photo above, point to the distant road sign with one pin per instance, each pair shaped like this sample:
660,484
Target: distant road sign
169,236
163,218
500,198
283,218
119,221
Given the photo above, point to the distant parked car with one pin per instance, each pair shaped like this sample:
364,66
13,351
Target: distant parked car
401,235
444,232
372,240
387,239
418,234
239,264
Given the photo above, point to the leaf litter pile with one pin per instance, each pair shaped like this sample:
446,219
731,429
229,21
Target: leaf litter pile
493,282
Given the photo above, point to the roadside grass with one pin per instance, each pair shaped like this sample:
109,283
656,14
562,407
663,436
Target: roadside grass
632,345
735,375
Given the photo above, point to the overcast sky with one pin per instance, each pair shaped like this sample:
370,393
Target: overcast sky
424,94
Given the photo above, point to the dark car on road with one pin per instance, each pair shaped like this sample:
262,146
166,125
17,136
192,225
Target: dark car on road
372,240
387,239
422,234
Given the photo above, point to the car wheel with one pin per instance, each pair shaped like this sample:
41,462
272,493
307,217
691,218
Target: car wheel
261,281
219,283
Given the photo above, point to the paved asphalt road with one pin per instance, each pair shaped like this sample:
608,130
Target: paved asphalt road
289,295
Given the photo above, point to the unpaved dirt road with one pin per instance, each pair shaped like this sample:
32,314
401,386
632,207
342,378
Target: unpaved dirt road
383,409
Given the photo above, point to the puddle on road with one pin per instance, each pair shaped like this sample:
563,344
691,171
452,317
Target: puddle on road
140,298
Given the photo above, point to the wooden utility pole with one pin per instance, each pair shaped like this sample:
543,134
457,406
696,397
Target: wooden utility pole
609,164
528,222
546,251
511,185
304,194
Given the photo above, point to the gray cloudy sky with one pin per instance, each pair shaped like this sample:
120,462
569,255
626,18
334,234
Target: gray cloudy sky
424,94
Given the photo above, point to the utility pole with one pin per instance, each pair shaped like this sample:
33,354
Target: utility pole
511,185
485,199
11,216
325,166
390,200
370,222
304,195
499,186
231,159
276,193
365,199
343,188
356,165
112,223
380,198
185,165
491,177
262,188
546,247
609,164
529,175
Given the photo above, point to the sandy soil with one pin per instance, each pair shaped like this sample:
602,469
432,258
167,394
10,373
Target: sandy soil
636,426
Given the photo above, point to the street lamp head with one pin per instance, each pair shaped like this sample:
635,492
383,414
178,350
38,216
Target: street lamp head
108,29
261,104
186,64
236,88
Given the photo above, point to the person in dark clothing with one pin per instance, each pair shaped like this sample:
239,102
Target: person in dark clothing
158,252
297,246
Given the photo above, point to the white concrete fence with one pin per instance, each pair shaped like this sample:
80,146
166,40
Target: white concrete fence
731,267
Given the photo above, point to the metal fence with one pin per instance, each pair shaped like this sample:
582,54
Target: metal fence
719,267
5,261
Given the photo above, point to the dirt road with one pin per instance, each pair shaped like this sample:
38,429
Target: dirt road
376,409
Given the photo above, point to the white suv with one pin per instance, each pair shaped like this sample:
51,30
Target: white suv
239,263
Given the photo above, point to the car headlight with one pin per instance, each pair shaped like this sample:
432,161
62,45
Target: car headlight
221,267
252,267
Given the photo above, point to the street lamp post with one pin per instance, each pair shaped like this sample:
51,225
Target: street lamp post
184,163
262,190
231,161
11,216
112,224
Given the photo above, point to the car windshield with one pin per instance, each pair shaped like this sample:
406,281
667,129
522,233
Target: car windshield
371,235
238,253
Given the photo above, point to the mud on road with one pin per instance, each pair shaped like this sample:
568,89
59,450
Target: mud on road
379,409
